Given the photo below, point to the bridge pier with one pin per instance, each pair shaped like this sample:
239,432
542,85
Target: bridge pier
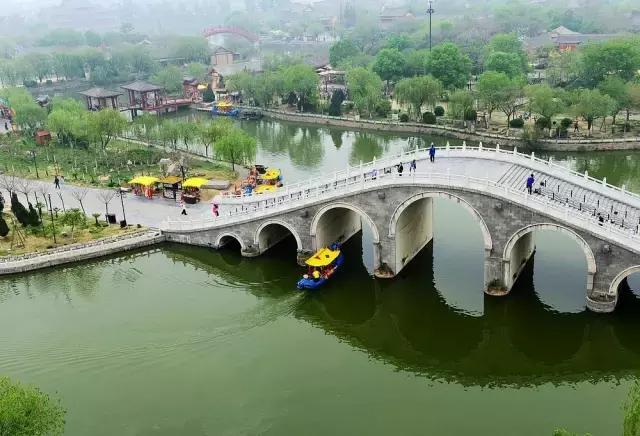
516,259
414,230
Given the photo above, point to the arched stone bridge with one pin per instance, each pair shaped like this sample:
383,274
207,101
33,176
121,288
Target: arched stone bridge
489,183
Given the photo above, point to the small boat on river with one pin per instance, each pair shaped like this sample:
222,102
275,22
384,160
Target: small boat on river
224,108
321,267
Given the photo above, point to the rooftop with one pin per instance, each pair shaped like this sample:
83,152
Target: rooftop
100,93
140,86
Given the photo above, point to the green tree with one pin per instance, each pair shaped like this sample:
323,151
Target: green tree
40,65
170,133
190,48
365,89
27,411
73,218
544,100
620,57
490,88
197,70
169,78
188,132
508,43
342,50
511,101
449,65
210,132
390,64
416,63
29,117
460,102
508,63
301,80
92,38
208,96
146,126
418,91
105,125
335,108
617,89
591,104
398,41
236,147
4,228
633,97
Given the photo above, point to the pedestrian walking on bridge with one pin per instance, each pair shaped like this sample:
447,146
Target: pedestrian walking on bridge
530,181
432,153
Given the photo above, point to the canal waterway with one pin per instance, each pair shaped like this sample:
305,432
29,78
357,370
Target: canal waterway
185,340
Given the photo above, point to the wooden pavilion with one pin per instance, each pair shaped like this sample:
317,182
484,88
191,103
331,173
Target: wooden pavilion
100,98
147,97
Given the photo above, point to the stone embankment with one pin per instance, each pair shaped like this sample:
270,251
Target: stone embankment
79,252
629,143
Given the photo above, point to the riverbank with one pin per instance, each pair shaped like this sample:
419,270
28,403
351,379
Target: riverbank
562,145
79,252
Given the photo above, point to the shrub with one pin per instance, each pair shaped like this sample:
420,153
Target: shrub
543,123
19,211
4,228
383,108
429,118
34,218
565,123
335,108
208,96
517,123
347,106
531,136
438,111
470,115
404,118
30,83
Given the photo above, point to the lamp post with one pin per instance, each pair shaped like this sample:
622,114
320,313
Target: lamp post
430,11
35,164
53,221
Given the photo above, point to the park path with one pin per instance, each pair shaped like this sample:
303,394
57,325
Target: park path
138,210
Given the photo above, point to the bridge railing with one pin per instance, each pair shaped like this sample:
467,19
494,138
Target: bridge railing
367,180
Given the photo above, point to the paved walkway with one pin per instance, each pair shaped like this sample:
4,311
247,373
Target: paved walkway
138,210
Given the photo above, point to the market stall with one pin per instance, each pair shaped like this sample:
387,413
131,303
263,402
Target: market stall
144,185
171,186
191,189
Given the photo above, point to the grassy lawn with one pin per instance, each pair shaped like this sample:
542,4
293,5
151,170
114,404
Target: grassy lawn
35,240
92,166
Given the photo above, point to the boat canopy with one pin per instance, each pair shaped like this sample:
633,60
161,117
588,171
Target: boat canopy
195,182
224,104
270,174
144,180
323,257
260,189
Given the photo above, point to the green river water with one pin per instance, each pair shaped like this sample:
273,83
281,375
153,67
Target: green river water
178,340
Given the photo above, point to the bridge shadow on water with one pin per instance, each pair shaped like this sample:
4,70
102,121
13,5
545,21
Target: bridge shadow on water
406,322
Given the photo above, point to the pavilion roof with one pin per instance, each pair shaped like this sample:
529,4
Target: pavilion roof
100,93
140,86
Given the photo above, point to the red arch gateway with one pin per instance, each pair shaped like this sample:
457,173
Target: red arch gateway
231,30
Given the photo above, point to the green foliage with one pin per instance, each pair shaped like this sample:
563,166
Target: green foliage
169,78
208,96
490,88
104,125
236,147
416,63
19,211
197,70
34,218
591,104
508,43
470,115
418,91
302,80
73,218
460,103
390,64
27,411
620,57
545,101
383,108
170,133
631,425
335,108
565,123
617,89
449,65
4,228
404,118
190,48
429,118
438,111
398,41
261,88
341,51
69,121
508,63
517,123
62,37
365,89
543,123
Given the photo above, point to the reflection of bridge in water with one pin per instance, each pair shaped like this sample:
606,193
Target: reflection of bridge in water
407,323
489,183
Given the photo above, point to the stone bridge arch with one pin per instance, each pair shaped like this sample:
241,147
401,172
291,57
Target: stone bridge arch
520,247
615,284
407,246
264,241
341,227
223,238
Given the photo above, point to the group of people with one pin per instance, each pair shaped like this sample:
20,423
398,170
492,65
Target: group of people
58,181
413,166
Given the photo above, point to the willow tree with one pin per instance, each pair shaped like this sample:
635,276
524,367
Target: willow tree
236,147
418,91
365,89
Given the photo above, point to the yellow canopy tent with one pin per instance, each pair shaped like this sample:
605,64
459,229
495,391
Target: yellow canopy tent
323,257
261,189
223,104
195,182
171,180
202,87
144,180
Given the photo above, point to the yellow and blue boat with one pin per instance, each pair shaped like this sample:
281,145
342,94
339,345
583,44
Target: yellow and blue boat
321,267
